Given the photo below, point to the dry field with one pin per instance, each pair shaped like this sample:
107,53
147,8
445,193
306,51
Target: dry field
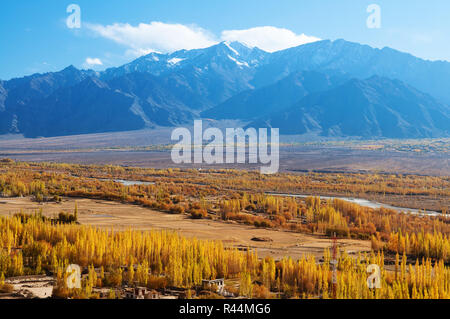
119,216
292,159
125,148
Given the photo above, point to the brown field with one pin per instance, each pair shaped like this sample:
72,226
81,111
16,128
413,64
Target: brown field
126,148
106,214
292,159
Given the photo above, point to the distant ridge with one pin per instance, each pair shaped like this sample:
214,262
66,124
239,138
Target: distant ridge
383,92
376,107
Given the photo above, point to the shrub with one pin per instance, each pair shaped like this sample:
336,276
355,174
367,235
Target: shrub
156,282
260,292
6,288
198,213
176,209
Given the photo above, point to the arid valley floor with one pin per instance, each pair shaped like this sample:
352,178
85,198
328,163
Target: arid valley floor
133,188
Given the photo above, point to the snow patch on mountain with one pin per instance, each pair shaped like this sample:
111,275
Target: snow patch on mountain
153,58
174,61
231,48
240,64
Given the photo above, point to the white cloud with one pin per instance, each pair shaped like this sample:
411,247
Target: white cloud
135,53
93,61
156,36
90,63
268,38
164,37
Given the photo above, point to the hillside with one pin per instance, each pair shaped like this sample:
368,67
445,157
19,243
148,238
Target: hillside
234,81
376,107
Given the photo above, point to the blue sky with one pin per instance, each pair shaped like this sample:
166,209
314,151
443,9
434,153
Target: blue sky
34,36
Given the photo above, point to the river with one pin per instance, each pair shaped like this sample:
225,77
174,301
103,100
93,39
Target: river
366,203
126,182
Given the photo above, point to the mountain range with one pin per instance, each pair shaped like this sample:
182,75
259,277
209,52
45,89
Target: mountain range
333,88
375,107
